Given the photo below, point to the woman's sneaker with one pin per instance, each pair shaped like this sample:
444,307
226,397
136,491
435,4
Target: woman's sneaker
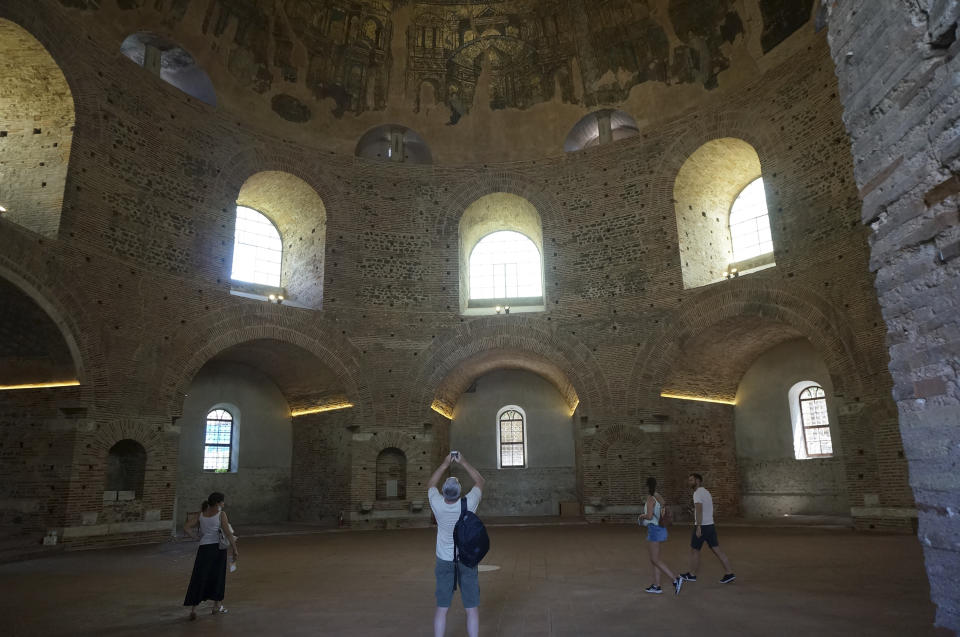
726,579
656,590
688,577
677,585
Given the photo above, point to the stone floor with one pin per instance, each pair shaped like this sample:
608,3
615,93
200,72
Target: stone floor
552,580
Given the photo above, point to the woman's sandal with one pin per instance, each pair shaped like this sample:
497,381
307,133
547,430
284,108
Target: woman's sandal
218,609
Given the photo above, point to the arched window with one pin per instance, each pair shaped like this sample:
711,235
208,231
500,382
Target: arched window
218,441
600,127
391,474
257,249
501,255
511,437
815,422
749,223
171,63
393,142
126,467
505,265
721,207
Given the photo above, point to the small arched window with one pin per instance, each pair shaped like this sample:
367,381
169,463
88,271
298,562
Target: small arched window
391,474
749,223
257,249
218,441
511,437
505,265
126,467
815,422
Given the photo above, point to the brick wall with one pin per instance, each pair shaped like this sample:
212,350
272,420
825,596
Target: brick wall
900,111
138,278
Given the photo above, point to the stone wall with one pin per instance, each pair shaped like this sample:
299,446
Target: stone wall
901,113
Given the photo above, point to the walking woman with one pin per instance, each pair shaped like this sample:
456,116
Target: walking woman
652,510
210,568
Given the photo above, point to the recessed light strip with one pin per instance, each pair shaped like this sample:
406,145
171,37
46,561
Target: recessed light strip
59,383
720,401
321,409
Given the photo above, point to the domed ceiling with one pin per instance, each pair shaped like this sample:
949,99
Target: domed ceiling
345,66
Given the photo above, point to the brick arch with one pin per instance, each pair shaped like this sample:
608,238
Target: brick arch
67,313
603,445
797,307
529,344
152,439
460,195
699,129
225,329
251,161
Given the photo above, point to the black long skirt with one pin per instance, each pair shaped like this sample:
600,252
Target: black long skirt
209,575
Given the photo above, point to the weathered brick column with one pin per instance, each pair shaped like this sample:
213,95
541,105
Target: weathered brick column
900,83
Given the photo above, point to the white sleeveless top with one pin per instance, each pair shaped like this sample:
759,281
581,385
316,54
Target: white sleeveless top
209,529
657,510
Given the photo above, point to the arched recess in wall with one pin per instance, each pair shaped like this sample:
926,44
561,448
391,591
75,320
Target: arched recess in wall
600,127
33,351
300,217
126,471
239,427
171,63
501,256
36,132
391,474
707,189
393,142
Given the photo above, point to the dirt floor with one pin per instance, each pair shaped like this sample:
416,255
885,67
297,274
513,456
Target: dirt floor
551,580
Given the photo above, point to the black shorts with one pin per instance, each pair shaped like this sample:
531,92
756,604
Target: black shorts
708,534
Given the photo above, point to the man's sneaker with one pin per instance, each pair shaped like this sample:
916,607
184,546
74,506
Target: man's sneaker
656,590
677,585
726,579
688,577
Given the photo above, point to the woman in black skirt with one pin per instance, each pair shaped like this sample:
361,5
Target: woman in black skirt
210,568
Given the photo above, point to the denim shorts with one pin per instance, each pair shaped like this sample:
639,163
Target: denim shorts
469,584
656,533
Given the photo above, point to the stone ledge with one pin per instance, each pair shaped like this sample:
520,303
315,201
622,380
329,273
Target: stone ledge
76,532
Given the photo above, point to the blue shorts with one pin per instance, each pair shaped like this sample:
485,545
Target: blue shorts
708,534
656,533
469,584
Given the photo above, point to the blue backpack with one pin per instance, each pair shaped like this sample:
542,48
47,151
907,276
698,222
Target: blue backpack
470,539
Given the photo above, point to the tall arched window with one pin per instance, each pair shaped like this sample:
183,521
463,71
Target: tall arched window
501,255
815,422
749,223
391,474
126,467
505,265
511,437
218,441
257,249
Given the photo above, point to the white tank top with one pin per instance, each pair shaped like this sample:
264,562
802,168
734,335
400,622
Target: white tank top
209,529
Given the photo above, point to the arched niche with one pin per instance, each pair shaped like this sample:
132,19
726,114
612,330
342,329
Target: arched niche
171,63
600,127
391,474
495,212
36,132
300,216
393,142
126,469
705,189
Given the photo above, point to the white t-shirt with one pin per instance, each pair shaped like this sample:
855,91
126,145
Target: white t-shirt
702,496
447,516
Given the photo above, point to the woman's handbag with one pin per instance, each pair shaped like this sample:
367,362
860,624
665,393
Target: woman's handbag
224,543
